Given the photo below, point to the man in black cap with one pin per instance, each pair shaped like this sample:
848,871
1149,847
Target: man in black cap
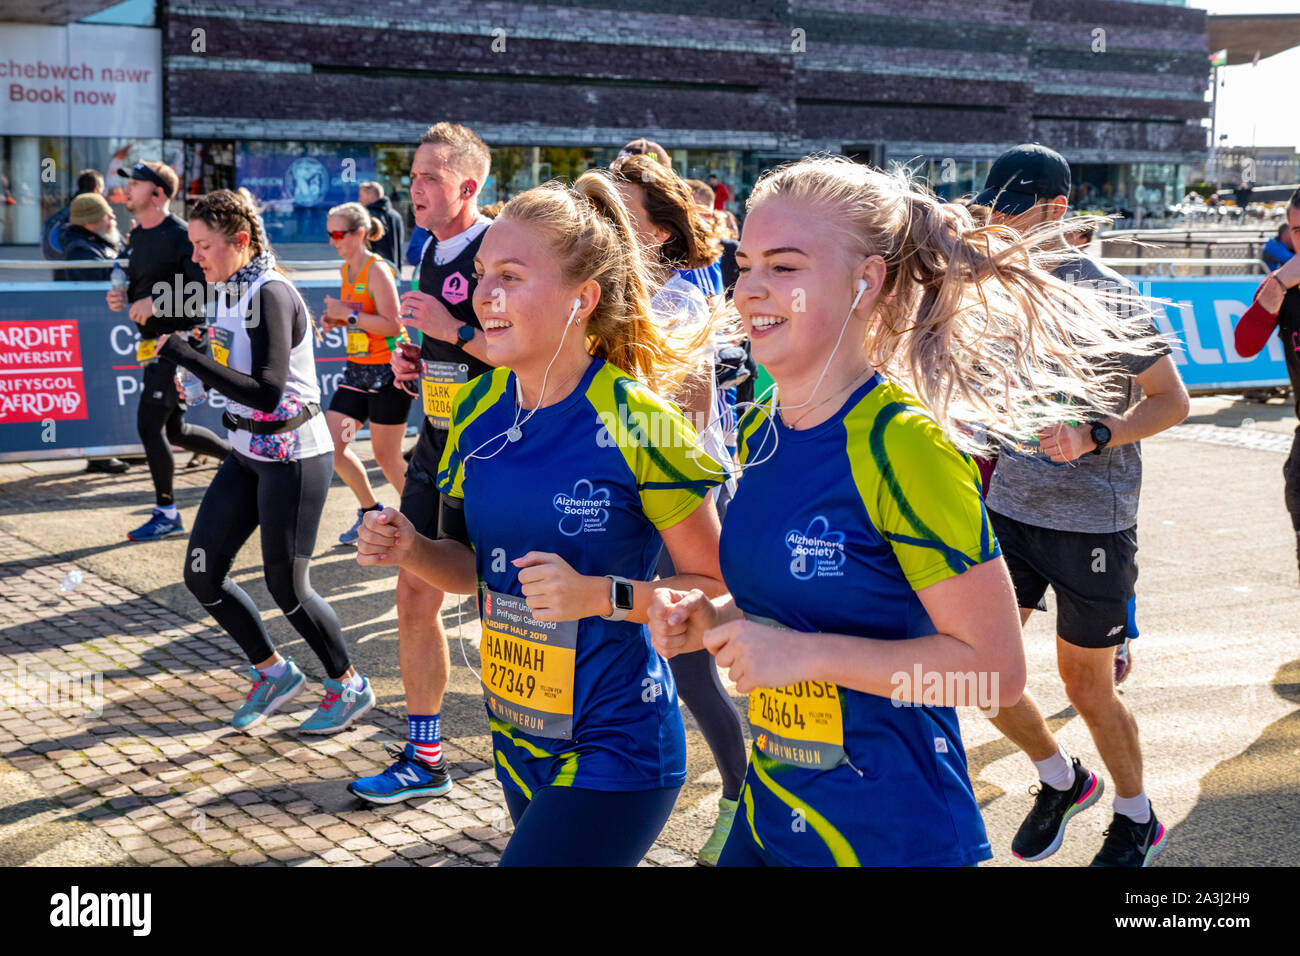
162,278
1064,508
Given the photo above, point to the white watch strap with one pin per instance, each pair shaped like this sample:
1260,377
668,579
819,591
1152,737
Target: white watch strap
618,613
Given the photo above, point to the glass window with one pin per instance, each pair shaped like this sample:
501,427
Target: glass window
296,183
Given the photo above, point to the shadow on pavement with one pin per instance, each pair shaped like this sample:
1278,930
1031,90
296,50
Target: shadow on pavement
1248,822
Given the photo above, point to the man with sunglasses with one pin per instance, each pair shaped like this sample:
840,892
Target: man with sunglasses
161,279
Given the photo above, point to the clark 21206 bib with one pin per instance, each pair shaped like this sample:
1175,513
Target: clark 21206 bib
439,385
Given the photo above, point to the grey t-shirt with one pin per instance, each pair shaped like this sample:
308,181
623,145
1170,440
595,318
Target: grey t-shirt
1095,493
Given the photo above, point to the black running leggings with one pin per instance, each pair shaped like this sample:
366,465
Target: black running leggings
286,500
161,424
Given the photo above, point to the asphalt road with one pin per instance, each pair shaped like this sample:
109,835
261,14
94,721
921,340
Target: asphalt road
1215,689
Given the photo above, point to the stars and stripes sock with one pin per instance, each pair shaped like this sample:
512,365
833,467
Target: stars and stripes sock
426,736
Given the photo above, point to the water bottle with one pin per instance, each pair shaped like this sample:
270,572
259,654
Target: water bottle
70,581
194,391
117,280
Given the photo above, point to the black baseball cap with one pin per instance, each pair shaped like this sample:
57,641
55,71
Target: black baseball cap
146,172
1022,176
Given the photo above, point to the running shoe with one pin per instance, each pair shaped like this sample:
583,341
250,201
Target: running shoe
1123,662
407,779
712,848
350,536
1129,843
268,694
1041,834
107,466
158,526
341,708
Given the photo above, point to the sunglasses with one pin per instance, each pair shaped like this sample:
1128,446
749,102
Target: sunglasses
337,235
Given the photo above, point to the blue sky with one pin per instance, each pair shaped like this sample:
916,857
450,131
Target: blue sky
1257,104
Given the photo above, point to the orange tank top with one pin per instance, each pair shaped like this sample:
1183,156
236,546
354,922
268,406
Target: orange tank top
366,348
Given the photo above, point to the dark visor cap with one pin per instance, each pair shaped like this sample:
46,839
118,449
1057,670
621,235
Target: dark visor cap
1022,176
143,172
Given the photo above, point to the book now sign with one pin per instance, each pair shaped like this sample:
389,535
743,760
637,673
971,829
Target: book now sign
81,80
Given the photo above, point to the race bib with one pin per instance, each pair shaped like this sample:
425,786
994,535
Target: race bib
146,350
222,340
527,665
439,385
802,725
358,342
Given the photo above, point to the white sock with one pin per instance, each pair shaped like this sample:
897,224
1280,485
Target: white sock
276,671
356,683
1137,809
1056,771
171,512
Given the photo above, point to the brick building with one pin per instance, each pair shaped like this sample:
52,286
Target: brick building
300,99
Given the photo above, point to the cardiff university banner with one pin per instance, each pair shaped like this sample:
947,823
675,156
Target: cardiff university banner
69,381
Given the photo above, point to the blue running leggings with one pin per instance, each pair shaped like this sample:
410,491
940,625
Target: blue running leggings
565,826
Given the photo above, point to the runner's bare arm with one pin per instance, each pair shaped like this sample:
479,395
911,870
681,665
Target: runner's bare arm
384,291
977,633
388,539
1164,406
556,592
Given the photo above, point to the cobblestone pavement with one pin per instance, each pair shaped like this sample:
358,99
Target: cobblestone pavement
146,757
159,777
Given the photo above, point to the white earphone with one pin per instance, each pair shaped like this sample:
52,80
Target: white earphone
515,432
771,407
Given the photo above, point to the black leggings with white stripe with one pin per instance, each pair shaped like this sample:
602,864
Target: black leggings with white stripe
284,499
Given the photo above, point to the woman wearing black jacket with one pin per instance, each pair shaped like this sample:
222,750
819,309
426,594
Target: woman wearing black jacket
277,476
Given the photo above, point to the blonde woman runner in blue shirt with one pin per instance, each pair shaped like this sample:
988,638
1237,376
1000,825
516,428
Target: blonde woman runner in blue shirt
564,476
868,596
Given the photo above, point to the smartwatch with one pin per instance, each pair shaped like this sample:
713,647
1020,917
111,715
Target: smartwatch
353,317
1100,435
465,335
620,597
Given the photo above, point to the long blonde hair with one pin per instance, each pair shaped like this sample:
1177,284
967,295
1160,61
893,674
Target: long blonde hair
969,319
592,236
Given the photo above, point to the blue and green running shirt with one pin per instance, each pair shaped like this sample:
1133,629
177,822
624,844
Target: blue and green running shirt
594,478
835,533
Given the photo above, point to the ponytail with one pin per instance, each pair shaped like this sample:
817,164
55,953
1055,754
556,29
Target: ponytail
592,237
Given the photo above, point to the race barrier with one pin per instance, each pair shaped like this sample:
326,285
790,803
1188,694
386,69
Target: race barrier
69,381
1199,313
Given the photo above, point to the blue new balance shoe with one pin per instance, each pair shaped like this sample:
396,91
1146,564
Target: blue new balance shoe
407,779
268,694
341,708
158,526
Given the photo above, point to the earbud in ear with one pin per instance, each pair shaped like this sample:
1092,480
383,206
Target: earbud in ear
862,286
574,317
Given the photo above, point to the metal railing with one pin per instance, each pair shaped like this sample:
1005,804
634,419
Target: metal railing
1145,267
19,271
